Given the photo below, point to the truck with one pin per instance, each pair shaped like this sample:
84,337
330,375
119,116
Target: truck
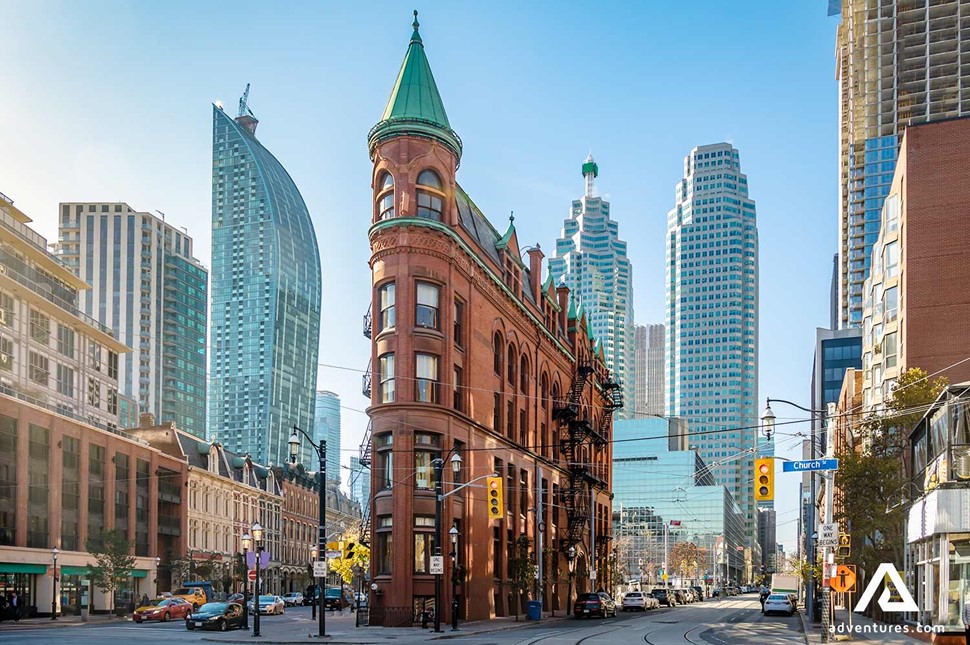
198,593
784,583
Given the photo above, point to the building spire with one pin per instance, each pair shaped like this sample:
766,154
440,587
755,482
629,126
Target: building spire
416,37
590,172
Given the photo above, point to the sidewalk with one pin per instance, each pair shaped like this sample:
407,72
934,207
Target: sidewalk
9,625
864,629
340,629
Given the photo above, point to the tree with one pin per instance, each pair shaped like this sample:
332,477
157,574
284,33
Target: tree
686,559
112,552
522,570
359,561
552,573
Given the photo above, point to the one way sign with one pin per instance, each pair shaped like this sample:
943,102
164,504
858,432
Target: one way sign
828,534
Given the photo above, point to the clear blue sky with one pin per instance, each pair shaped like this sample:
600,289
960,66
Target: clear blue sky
111,101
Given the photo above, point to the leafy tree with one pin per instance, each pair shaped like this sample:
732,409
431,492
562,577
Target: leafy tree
685,558
359,561
552,573
522,569
112,552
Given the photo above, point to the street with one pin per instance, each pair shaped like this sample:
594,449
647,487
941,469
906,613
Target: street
728,622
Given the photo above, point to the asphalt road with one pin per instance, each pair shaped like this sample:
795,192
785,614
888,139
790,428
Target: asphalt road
732,621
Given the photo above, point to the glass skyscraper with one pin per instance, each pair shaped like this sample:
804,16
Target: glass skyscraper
657,487
648,349
326,427
712,317
897,64
147,287
265,297
593,261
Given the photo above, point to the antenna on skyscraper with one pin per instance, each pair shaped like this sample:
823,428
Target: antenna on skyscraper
243,104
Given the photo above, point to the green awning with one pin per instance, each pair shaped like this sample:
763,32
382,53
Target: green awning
74,571
139,573
19,567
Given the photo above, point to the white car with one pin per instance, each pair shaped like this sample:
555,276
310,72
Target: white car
778,603
639,601
269,605
293,599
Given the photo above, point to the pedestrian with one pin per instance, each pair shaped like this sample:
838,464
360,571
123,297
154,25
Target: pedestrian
15,607
965,616
144,599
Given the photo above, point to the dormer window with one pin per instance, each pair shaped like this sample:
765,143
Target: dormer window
429,195
385,197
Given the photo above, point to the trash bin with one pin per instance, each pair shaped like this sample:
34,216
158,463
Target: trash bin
534,610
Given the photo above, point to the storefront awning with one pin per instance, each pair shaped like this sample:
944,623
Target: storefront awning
74,571
139,573
20,567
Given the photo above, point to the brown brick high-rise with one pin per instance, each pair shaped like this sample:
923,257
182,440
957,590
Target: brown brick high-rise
473,355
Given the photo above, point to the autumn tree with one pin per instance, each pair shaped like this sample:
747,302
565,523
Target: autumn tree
686,559
115,562
522,570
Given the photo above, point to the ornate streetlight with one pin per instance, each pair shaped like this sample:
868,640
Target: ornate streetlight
321,449
453,533
54,553
247,543
571,563
439,465
258,542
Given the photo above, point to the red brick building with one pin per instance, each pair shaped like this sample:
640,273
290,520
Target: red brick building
473,352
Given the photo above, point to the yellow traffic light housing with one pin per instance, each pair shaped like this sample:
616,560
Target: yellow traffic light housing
348,550
496,503
764,479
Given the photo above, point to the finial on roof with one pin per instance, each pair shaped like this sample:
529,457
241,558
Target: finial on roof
415,37
511,217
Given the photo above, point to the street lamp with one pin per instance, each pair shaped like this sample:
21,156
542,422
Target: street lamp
258,542
321,449
54,553
453,533
158,563
247,543
439,466
768,423
571,563
316,590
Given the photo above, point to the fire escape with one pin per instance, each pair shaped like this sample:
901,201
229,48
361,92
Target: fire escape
365,444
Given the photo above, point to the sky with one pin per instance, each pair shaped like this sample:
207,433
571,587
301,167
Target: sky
111,101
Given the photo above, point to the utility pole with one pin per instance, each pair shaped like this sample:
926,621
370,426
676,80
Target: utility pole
665,555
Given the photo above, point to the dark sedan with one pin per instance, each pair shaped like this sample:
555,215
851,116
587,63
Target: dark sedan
217,615
664,597
594,604
334,599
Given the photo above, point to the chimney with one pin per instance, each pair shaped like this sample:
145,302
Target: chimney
535,270
146,420
562,297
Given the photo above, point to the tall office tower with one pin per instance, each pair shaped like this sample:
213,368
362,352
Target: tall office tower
593,261
897,63
360,485
648,350
265,297
147,286
326,427
712,317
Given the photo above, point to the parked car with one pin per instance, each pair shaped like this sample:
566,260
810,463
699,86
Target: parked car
293,599
334,599
698,593
217,615
195,595
778,603
163,609
639,600
268,605
664,596
680,595
594,604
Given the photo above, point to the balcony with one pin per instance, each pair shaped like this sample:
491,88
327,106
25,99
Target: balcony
169,524
368,323
169,492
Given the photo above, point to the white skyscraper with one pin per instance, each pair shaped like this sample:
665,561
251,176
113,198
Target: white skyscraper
648,348
592,260
712,317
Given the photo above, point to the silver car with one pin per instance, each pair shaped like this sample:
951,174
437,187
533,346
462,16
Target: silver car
293,599
269,605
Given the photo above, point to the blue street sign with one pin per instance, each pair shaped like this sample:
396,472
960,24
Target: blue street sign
809,464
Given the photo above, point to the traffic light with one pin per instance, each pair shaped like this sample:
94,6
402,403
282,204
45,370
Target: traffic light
348,550
764,479
496,505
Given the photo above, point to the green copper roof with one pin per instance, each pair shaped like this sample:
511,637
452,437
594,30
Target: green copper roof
571,312
415,106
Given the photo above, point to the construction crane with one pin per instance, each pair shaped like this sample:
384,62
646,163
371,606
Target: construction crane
243,104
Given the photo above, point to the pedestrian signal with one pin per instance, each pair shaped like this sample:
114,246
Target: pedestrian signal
496,505
764,479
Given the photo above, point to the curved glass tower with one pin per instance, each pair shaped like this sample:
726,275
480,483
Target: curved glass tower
265,323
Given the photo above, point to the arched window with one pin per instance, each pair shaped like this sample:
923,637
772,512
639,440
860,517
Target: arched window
497,346
524,375
510,364
385,197
544,391
429,195
555,395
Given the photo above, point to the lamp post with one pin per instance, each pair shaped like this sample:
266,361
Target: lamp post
571,564
313,601
768,423
158,563
54,553
439,465
453,533
247,542
321,449
258,542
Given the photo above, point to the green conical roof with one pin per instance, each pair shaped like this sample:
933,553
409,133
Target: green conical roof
415,106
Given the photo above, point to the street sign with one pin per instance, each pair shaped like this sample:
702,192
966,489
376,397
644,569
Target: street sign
844,579
437,567
828,534
809,464
592,576
664,576
334,555
319,568
252,575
